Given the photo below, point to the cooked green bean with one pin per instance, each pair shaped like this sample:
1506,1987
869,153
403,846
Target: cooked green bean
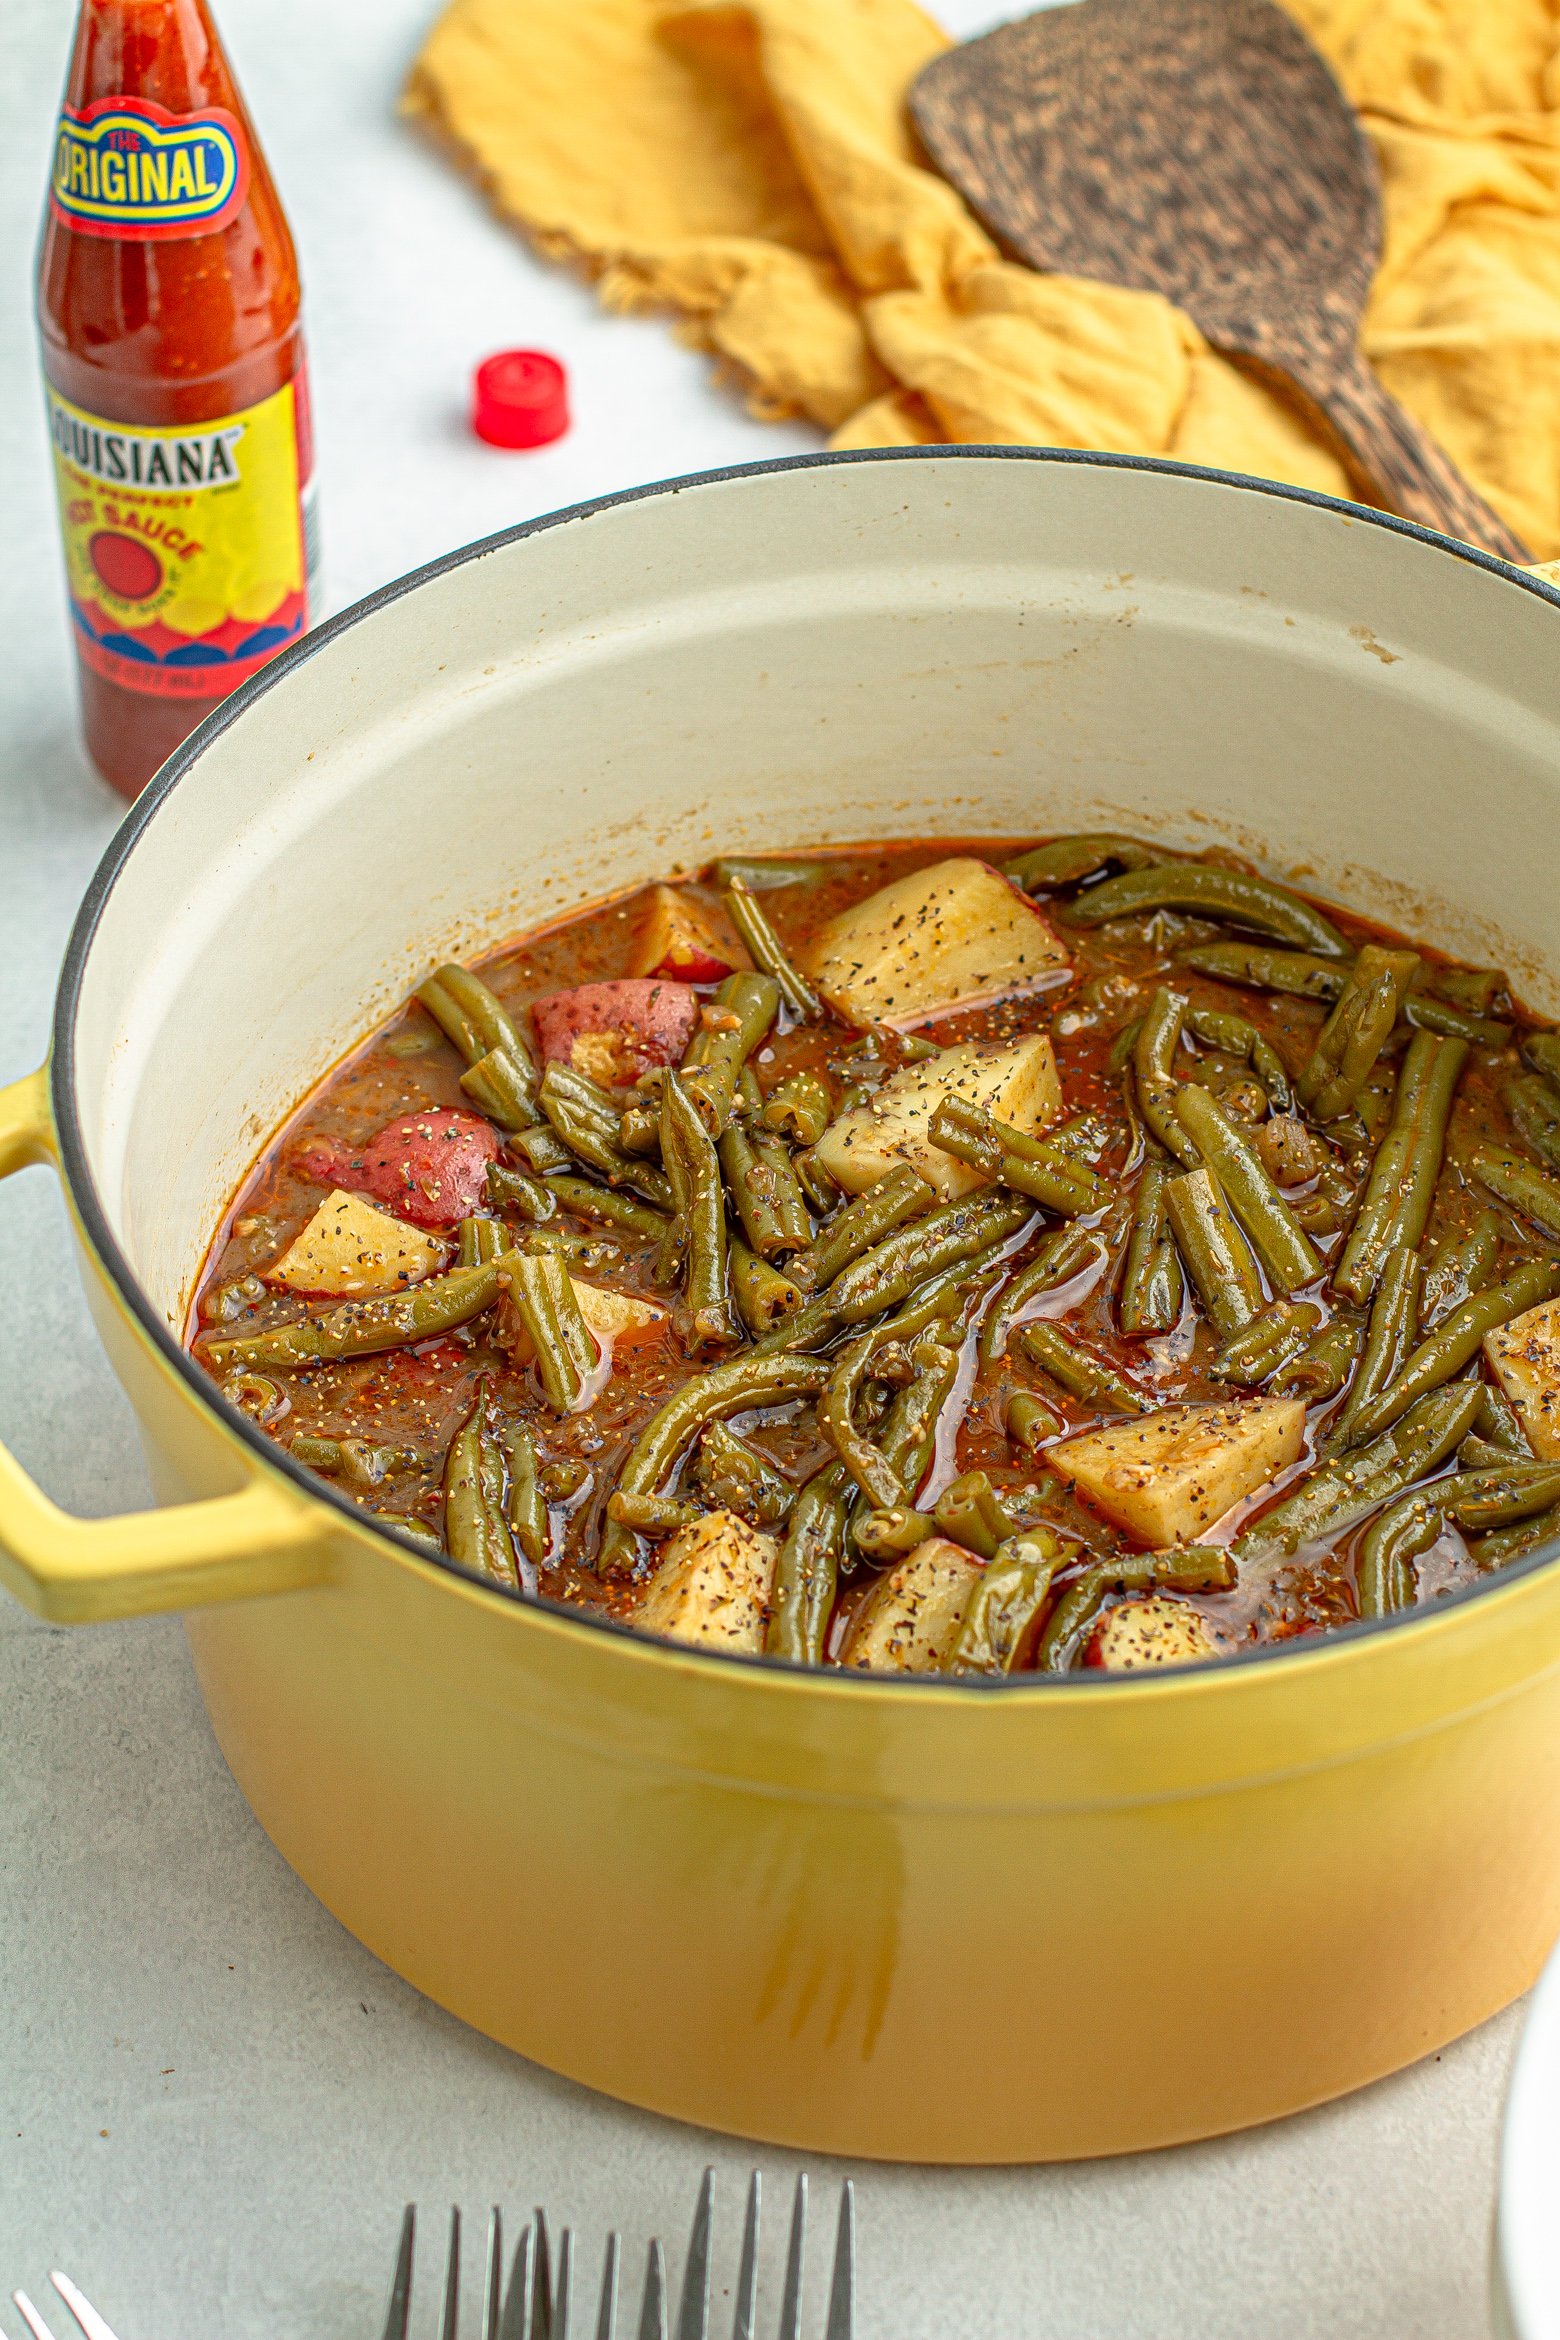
734,1476
1456,1342
1151,1286
768,952
798,1108
544,1300
1234,1163
1212,893
1076,1368
807,1572
764,876
821,1189
704,1319
476,1532
1007,1603
1299,974
907,1435
361,1328
1402,1182
1460,1265
1356,1032
1067,1193
861,1455
882,1536
1062,1255
526,1509
1234,1036
592,1136
1324,1365
900,1194
1356,1484
1256,1352
1542,1051
509,1189
478,1240
1514,1543
542,1148
1029,1421
255,1394
1535,1113
470,1015
1389,1340
1153,1073
955,1232
1073,1614
653,1515
1066,861
1384,1575
733,1388
1516,1182
1213,1250
744,1008
970,1512
1498,1499
357,1459
1475,988
1427,1014
607,1207
1483,1454
776,1196
764,1296
1498,1422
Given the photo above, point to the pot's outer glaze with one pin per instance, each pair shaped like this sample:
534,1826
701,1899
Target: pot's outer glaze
854,1915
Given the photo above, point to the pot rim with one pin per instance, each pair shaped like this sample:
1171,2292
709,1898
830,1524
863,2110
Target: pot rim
1315,1648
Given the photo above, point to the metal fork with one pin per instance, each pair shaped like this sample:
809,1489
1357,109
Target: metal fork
87,2318
536,2303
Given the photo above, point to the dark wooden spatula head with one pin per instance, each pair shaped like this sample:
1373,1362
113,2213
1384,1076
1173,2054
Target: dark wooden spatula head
1200,149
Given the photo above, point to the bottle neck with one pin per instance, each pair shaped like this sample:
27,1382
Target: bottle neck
166,51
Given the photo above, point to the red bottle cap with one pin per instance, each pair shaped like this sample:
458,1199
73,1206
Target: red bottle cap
520,399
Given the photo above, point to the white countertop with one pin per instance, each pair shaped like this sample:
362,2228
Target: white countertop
213,2103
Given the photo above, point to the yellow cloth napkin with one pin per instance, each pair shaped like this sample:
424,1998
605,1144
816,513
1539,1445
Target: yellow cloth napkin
747,165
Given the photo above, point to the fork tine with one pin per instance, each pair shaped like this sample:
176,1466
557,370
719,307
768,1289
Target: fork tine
542,2284
652,2315
791,2299
449,2326
842,2289
80,2306
693,2319
517,2306
494,2287
745,2322
565,2285
606,2314
30,2316
398,2314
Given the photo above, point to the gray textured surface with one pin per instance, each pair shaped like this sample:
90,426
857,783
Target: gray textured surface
212,2102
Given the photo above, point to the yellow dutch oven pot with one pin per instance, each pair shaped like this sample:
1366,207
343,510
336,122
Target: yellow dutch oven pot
940,1921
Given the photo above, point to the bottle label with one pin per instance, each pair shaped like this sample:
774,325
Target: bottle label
126,167
184,547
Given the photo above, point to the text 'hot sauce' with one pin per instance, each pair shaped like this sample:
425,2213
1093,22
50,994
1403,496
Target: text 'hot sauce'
168,308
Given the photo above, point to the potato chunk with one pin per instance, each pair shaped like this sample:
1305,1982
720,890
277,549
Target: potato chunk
680,937
1166,1477
1152,1631
712,1587
1014,1079
350,1249
619,1320
953,936
1524,1357
909,1623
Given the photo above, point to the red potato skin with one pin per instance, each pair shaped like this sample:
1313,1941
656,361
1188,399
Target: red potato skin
428,1168
652,1021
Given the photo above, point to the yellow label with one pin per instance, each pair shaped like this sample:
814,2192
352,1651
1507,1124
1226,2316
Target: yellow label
184,547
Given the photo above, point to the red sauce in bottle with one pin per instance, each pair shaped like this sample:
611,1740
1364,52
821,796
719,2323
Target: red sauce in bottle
168,309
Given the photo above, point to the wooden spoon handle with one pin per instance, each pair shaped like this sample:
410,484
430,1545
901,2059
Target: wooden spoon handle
1410,471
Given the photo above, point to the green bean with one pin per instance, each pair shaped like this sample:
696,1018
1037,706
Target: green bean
1290,1259
807,1571
900,1194
763,876
1498,1496
746,1383
1153,1073
509,1189
256,1395
1402,1181
970,1512
1516,1182
704,1318
542,1148
639,1127
653,1515
1234,1036
592,1137
1350,1488
478,1240
734,1476
1542,1051
1073,1614
1535,1114
356,1458
1457,1341
1356,1032
1483,1454
1389,1336
504,1090
768,952
1299,974
361,1328
1499,1423
881,1536
907,1435
1322,1368
526,1509
1212,893
1461,1265
811,1325
1498,1499
1439,1015
821,1189
416,1531
744,1008
561,1481
1007,1603
1066,861
1014,1158
798,1108
471,1016
1476,988
947,1237
1119,1056
764,1188
862,1456
1151,1286
1076,1369
475,1529
1269,1341
764,1296
1384,1575
1190,1568
1215,1252
1515,1543
608,1208
1029,1421
545,1302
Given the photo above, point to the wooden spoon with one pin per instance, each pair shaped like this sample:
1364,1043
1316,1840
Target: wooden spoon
1200,149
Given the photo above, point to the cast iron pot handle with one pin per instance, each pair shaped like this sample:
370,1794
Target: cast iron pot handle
266,1538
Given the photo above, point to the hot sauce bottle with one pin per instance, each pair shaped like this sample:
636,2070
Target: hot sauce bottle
168,309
